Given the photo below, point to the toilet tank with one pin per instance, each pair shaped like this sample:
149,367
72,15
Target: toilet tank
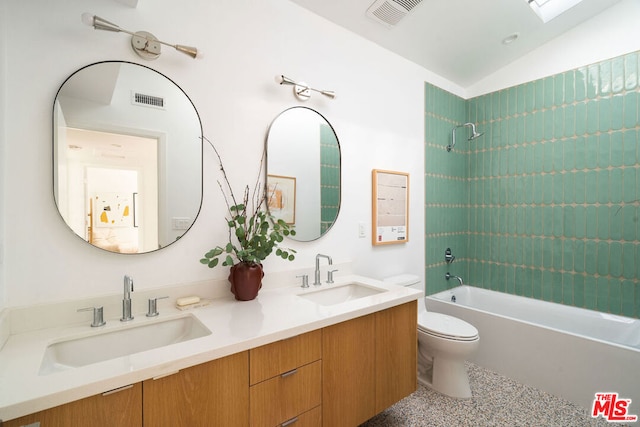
410,280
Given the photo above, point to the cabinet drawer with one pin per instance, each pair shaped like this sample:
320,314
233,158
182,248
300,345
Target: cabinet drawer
276,358
284,397
312,418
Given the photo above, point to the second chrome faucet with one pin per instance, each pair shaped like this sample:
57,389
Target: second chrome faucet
316,281
126,301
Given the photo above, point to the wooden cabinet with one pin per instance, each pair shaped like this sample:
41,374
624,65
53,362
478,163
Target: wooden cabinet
369,364
341,375
348,380
121,407
286,378
215,393
396,354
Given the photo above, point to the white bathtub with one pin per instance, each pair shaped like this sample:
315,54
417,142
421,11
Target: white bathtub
567,351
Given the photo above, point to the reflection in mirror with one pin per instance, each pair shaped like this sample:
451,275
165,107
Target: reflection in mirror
127,150
303,172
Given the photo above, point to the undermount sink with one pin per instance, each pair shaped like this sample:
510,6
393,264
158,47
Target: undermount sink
77,352
341,293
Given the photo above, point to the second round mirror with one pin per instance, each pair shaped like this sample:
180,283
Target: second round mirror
303,172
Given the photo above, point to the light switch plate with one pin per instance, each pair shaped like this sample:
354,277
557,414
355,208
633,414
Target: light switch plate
362,230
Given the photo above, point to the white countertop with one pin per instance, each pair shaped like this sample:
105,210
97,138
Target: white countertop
236,326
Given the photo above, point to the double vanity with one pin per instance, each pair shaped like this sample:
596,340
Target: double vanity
331,355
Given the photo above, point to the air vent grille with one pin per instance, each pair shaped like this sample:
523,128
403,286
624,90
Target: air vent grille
147,100
408,4
390,12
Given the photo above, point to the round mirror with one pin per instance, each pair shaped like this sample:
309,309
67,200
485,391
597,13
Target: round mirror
303,172
127,157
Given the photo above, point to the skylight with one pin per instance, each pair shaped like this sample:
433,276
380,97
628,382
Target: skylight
549,9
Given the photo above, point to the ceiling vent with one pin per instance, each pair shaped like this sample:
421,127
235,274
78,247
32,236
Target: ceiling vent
390,12
147,100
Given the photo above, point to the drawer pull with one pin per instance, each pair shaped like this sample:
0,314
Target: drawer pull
290,422
127,387
288,373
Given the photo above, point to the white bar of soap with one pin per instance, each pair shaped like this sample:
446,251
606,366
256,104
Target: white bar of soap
181,302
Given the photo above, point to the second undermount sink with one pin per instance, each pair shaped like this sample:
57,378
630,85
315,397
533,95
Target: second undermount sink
340,293
82,351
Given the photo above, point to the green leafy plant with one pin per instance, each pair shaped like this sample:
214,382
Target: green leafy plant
254,233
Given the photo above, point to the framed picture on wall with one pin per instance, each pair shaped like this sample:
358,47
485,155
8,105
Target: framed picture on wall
113,210
390,207
281,197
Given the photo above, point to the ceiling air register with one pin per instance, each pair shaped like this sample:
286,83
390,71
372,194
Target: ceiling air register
390,12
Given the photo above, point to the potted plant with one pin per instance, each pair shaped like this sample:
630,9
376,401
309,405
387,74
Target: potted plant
254,234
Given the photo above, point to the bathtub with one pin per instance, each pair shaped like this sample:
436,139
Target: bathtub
569,352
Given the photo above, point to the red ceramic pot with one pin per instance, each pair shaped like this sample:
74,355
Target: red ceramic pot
246,280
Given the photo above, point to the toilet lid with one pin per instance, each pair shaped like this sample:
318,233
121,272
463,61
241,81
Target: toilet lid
446,326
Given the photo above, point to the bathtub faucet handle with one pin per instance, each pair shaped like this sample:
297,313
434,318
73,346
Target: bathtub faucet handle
448,256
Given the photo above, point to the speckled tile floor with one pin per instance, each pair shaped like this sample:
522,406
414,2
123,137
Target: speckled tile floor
497,401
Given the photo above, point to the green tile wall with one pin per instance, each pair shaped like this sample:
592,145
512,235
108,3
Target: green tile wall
446,188
546,203
329,177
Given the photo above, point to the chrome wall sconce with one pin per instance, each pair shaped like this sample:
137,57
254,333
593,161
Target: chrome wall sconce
145,44
301,90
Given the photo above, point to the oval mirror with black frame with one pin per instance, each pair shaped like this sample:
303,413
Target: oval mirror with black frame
127,157
303,172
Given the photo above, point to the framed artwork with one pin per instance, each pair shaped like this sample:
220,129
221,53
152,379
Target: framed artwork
113,210
390,207
281,197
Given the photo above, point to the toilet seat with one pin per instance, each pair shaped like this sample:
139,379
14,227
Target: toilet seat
448,327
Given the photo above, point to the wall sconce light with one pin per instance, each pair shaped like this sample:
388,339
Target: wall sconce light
301,90
145,44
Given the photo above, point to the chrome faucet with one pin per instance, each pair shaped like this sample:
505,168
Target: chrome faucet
317,282
450,276
126,301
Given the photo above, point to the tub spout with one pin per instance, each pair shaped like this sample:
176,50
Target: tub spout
450,276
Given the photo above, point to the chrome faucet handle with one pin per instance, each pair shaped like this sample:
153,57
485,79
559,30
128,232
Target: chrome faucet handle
153,306
330,275
448,256
98,315
305,280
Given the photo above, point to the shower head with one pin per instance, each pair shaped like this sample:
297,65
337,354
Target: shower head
474,134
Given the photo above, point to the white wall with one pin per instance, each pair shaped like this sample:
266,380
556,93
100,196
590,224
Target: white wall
377,115
3,169
612,33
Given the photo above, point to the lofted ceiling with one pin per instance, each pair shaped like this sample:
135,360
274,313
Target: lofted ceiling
460,40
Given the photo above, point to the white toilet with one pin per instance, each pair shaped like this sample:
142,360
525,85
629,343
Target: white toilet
444,343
